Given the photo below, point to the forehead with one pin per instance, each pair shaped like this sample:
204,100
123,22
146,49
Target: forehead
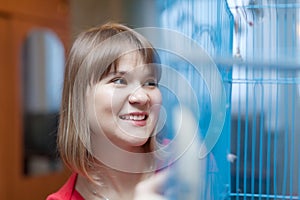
133,61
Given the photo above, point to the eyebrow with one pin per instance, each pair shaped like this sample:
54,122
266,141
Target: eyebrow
123,73
117,72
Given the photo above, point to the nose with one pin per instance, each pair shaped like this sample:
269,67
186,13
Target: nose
139,96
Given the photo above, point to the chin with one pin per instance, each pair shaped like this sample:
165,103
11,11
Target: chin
138,142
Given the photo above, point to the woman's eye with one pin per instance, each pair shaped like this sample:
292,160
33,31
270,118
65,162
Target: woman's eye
119,81
151,83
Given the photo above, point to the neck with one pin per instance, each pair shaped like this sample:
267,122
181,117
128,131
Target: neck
109,184
134,159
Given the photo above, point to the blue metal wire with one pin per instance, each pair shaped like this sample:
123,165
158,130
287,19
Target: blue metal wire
261,144
261,128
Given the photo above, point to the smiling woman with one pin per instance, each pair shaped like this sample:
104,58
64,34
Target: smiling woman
110,108
123,105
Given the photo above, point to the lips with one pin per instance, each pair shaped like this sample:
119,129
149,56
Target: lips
137,116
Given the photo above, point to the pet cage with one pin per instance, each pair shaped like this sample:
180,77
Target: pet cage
256,46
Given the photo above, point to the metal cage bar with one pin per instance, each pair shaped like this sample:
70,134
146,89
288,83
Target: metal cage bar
256,45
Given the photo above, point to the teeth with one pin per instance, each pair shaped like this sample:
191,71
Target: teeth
133,117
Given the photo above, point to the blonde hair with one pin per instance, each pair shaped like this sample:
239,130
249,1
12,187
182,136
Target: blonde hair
93,54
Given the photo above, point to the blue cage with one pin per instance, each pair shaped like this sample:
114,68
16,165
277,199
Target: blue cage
256,46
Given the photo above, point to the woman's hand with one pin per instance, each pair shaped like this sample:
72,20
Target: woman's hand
151,188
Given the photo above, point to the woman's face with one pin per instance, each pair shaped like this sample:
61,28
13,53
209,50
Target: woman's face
124,106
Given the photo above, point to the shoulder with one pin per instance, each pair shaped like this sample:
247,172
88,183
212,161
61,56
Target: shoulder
66,191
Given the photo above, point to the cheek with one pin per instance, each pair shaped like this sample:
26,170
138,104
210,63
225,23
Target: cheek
105,103
109,103
99,106
156,99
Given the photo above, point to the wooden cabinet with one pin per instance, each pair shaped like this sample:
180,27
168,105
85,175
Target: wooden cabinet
17,19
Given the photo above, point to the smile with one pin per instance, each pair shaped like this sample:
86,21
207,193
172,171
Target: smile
134,117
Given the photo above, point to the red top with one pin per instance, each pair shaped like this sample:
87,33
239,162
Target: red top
67,191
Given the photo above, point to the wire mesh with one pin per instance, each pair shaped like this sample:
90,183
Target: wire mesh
265,100
256,45
264,133
204,22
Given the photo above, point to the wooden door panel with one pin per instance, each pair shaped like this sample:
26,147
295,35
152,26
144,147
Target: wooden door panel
4,105
27,187
47,9
17,19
